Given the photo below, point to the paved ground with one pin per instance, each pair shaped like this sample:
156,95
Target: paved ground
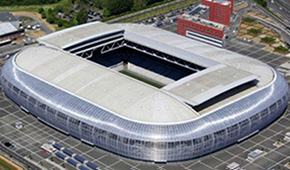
172,27
28,140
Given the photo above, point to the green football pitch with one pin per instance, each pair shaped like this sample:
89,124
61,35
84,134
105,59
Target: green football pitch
140,78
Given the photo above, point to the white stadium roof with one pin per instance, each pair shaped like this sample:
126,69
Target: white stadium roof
130,98
102,86
73,35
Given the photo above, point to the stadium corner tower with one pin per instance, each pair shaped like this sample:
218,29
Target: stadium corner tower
80,82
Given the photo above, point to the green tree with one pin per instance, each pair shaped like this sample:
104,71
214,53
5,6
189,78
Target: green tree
43,15
153,1
58,8
268,40
106,12
67,6
117,6
59,23
81,17
50,19
26,2
261,2
255,31
40,10
139,4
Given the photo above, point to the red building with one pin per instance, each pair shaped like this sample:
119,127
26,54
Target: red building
200,29
220,11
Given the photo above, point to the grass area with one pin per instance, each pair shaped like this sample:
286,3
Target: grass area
6,166
268,40
31,8
249,20
274,13
154,12
254,31
282,50
132,11
140,78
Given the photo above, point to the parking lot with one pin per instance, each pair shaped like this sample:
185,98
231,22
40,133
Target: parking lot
27,141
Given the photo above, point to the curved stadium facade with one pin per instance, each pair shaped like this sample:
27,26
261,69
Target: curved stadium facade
210,98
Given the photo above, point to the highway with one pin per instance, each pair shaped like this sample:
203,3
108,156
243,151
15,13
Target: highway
264,11
282,8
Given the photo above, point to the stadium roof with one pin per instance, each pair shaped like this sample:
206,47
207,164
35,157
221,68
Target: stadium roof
103,87
195,51
224,71
200,87
73,35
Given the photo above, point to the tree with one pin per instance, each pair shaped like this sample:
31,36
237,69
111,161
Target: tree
67,7
50,19
43,15
26,2
58,8
81,17
106,12
115,7
263,3
59,23
152,1
40,10
49,11
139,4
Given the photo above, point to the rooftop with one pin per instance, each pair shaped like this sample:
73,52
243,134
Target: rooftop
209,83
103,87
223,2
80,33
202,21
6,28
7,17
224,70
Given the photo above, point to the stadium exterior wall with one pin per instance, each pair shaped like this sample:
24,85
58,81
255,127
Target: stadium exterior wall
137,140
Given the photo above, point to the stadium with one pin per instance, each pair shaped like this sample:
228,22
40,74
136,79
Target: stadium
144,93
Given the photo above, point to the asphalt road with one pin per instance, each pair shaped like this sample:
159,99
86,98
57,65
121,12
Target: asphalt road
282,8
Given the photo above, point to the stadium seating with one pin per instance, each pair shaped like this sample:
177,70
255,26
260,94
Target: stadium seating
151,63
